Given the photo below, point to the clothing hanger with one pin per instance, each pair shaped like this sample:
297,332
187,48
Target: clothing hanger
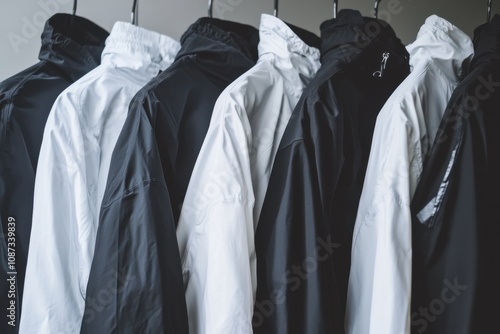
211,8
72,20
376,8
335,3
276,8
135,13
488,17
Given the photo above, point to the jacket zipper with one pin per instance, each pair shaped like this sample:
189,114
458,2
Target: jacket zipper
383,64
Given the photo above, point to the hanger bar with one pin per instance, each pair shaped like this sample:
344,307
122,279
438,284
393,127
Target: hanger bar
335,10
210,8
74,6
276,3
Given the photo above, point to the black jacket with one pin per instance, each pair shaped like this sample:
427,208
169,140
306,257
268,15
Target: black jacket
456,224
303,238
149,174
71,47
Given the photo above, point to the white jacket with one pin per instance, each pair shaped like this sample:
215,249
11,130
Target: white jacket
79,138
380,279
230,178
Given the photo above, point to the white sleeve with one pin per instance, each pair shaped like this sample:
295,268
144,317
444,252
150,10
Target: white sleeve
380,279
215,230
60,246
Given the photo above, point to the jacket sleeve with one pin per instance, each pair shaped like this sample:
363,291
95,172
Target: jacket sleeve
135,283
380,277
62,228
215,230
296,246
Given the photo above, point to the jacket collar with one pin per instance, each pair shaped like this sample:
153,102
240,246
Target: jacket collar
287,41
442,42
73,44
130,46
342,33
487,41
348,36
210,35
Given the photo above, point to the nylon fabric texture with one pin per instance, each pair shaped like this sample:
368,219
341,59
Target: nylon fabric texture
304,231
79,137
150,170
229,180
379,293
455,246
71,47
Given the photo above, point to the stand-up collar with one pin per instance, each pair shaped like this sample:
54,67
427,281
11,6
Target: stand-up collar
283,40
346,37
345,30
73,44
487,41
137,48
442,42
209,35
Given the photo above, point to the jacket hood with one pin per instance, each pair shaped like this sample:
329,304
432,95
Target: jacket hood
487,40
345,37
444,43
202,34
346,29
73,44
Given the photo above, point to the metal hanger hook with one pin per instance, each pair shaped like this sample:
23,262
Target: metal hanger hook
377,2
488,14
210,8
74,6
135,13
276,3
335,8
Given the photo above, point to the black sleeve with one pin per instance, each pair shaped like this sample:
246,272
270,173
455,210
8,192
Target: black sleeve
135,283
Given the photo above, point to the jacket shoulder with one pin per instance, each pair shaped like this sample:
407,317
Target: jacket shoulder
13,85
40,83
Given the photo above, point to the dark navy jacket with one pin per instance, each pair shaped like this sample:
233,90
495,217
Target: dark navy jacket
71,47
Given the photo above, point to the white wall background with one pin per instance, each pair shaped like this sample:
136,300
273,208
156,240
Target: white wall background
21,21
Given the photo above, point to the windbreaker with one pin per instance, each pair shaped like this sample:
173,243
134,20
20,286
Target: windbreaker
150,170
455,208
380,277
79,137
303,234
71,47
229,180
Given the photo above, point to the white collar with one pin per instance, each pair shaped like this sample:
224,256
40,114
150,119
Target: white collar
138,48
277,37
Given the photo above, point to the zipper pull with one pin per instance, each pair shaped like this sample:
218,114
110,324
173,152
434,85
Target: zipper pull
385,57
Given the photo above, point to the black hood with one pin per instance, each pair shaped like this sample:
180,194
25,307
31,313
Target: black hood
350,33
487,41
202,34
73,44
